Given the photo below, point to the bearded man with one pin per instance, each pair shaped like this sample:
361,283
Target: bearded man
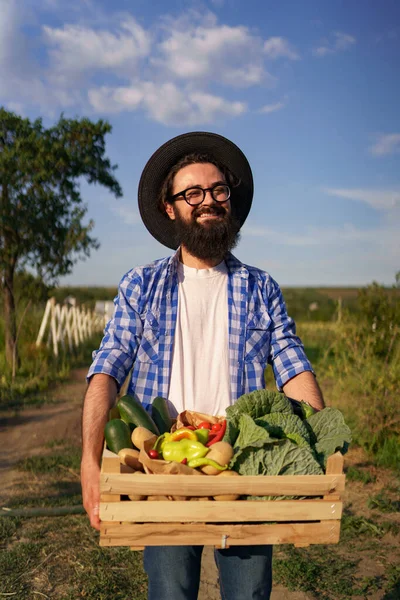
198,328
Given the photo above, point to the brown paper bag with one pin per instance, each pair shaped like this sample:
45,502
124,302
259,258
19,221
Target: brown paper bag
189,417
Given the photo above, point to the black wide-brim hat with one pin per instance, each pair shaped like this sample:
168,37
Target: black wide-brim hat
158,166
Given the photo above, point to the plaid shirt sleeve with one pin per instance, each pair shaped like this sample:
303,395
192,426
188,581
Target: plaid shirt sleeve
287,355
122,334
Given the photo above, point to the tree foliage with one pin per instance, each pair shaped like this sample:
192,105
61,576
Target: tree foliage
41,207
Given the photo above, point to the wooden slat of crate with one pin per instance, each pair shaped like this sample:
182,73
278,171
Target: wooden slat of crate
182,485
219,512
110,463
137,535
181,534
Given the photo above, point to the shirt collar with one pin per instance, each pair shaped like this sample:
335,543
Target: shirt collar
234,265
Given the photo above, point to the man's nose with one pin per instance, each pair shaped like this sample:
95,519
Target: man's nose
208,199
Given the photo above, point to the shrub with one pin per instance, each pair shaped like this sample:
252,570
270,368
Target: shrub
363,361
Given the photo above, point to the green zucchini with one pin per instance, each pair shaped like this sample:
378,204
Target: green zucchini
117,435
132,411
160,414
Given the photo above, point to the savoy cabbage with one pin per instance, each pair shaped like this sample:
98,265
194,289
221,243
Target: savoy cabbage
269,439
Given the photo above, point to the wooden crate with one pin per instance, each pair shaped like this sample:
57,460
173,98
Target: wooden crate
219,523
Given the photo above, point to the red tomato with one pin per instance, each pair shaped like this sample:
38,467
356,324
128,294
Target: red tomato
204,425
153,454
216,427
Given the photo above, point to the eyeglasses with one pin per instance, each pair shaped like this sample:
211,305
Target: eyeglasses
196,195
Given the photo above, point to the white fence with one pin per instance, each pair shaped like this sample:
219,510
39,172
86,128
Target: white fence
68,325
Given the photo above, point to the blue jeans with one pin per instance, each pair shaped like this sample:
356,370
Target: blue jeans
245,572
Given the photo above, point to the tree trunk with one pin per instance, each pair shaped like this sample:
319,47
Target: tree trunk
9,316
9,261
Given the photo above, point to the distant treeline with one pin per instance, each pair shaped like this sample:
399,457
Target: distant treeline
311,304
84,295
303,303
319,304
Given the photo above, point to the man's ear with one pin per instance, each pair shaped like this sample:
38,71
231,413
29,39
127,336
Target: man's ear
169,209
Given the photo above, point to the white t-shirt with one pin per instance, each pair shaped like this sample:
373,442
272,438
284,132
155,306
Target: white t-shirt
200,361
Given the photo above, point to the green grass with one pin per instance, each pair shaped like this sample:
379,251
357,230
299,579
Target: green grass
59,477
362,475
335,572
388,453
317,570
353,526
384,503
393,575
68,458
41,370
60,558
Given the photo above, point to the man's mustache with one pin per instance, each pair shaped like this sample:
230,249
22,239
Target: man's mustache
209,210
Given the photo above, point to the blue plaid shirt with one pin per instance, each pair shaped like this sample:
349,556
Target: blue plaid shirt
141,331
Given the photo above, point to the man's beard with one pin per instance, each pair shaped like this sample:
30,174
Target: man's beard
211,239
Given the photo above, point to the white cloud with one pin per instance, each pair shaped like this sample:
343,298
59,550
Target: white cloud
207,51
277,47
341,41
386,144
21,79
378,199
193,63
384,239
127,214
75,49
270,108
177,108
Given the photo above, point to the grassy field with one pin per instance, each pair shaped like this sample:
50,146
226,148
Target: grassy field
59,557
357,362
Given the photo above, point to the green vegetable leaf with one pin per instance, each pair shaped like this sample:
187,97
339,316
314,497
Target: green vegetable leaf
279,458
256,404
307,410
331,433
251,434
282,425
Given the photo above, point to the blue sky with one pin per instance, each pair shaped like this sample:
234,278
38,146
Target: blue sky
309,90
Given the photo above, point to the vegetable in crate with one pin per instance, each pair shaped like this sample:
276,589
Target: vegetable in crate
269,439
220,453
185,448
160,414
218,434
132,412
117,435
140,435
208,463
130,458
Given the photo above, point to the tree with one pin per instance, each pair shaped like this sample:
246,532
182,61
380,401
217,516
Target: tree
41,208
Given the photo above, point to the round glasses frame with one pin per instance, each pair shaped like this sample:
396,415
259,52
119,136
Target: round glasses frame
193,198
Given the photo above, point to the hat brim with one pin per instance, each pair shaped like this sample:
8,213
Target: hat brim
158,166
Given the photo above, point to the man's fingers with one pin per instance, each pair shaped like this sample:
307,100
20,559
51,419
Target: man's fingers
93,512
94,517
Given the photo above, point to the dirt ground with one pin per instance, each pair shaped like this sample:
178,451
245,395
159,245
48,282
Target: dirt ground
27,432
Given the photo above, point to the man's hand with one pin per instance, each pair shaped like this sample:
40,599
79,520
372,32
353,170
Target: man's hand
90,480
100,397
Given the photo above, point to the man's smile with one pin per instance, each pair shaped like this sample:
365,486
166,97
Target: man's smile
209,216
